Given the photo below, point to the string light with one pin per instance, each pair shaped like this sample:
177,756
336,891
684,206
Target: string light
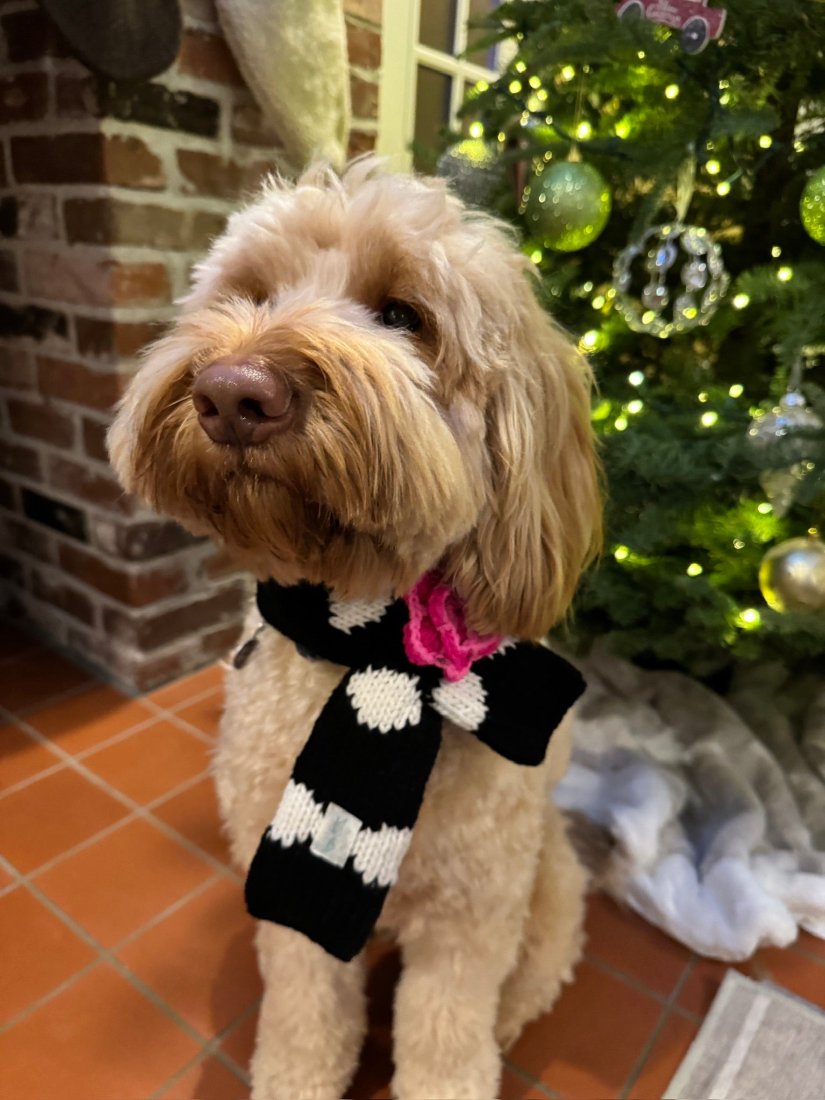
501,136
723,188
590,339
567,73
636,378
813,531
514,86
537,255
621,553
776,251
481,86
620,423
672,91
622,128
764,509
584,130
738,544
641,55
709,418
749,619
648,316
703,397
736,390
534,82
741,301
694,569
476,130
520,67
785,274
598,301
765,141
635,406
587,287
713,167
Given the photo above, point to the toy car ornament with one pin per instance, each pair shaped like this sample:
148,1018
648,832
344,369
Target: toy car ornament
698,23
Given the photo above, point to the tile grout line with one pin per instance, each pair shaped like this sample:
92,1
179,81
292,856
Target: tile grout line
658,1027
528,1079
212,1049
640,987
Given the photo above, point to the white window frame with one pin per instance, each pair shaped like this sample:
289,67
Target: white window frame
402,53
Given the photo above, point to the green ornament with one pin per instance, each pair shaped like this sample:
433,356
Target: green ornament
567,205
812,206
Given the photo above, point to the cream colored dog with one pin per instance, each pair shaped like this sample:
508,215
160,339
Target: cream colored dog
362,386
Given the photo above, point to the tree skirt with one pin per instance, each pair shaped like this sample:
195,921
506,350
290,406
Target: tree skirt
715,808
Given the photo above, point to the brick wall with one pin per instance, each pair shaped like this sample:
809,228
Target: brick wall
108,192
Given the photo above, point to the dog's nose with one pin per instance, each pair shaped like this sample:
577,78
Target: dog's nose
242,402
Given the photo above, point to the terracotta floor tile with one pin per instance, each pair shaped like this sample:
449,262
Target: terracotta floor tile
99,1038
194,814
515,1088
21,756
14,643
114,886
35,676
205,715
88,718
672,1044
627,942
814,945
239,1044
793,971
580,1049
201,959
151,761
37,950
177,693
208,1080
51,815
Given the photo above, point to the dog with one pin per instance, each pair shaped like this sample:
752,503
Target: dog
361,387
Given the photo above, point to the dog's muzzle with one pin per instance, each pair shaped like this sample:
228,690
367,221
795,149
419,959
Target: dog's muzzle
243,402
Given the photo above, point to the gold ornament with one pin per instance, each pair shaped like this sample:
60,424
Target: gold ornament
792,575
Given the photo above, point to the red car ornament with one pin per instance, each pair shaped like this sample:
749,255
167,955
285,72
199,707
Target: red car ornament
697,22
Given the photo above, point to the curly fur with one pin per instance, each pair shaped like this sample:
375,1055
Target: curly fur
466,446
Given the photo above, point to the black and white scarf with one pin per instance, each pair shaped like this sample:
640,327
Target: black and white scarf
333,849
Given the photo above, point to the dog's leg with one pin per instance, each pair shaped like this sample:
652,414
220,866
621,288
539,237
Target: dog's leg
445,1012
552,939
312,1020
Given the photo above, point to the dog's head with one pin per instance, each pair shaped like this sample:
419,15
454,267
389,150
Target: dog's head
362,386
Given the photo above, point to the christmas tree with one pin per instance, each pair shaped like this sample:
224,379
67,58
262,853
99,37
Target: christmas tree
669,184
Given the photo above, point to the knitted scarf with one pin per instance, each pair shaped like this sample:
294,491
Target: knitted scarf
333,849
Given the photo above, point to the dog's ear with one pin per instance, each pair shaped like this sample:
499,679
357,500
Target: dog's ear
541,523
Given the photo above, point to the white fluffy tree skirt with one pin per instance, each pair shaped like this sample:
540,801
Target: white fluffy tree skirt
717,815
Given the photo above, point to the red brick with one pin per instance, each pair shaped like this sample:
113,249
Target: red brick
16,459
112,340
112,221
136,588
208,57
218,564
23,97
205,228
218,610
76,96
94,439
56,593
80,482
31,35
249,127
12,571
206,174
41,422
31,540
360,142
145,675
364,97
16,368
67,158
364,9
217,643
363,47
9,278
8,497
78,384
130,163
84,279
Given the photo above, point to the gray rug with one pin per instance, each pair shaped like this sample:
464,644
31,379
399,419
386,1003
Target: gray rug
757,1043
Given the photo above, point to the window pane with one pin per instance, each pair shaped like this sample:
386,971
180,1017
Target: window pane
432,113
437,27
487,58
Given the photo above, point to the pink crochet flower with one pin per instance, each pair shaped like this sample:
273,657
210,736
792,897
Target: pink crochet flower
437,633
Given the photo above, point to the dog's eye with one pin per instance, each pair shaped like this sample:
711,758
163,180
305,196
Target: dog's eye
400,315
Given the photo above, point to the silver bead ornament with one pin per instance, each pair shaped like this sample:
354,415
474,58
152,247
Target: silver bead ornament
777,431
792,576
695,288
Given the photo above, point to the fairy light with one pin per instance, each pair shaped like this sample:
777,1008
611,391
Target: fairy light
703,397
741,301
584,130
525,118
672,91
621,553
814,531
694,569
501,136
636,378
620,423
514,86
713,167
476,129
635,406
765,141
641,55
736,390
520,67
599,301
709,418
738,544
537,255
541,95
648,316
567,73
785,274
534,82
749,619
764,509
622,128
776,251
723,188
587,287
590,339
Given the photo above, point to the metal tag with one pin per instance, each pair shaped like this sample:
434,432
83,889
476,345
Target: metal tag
334,838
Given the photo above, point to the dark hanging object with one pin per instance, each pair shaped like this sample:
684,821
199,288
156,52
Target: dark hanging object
120,39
